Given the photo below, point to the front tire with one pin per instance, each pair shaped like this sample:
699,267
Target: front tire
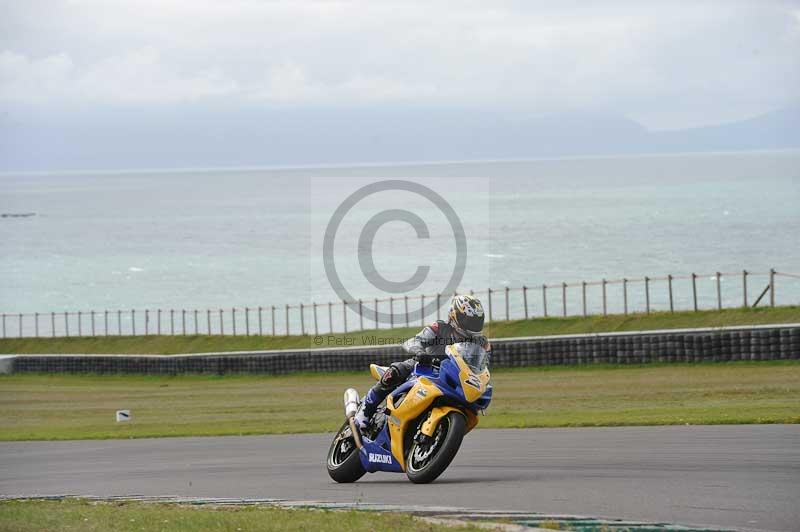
429,460
344,464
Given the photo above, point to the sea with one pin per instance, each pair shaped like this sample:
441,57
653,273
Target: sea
211,239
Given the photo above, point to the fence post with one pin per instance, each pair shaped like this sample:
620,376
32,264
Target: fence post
133,322
233,320
564,298
360,314
221,324
647,294
422,310
80,325
744,287
302,321
544,299
507,315
391,313
605,299
158,320
316,327
273,319
66,323
694,291
105,322
772,287
119,323
183,321
146,321
583,297
20,324
375,314
669,283
260,323
52,324
719,291
172,322
525,300
344,315
4,325
36,324
287,320
489,295
330,317
405,300
247,321
625,295
208,321
439,304
196,328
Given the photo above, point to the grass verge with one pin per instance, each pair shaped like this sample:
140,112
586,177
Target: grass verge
57,407
534,327
89,516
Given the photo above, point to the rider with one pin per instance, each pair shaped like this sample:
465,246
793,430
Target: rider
464,324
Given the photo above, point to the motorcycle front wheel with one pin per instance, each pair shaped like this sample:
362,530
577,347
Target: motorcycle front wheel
427,460
344,464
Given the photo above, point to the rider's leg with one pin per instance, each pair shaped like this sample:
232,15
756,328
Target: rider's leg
396,375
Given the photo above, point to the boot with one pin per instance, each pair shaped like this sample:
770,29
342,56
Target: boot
368,406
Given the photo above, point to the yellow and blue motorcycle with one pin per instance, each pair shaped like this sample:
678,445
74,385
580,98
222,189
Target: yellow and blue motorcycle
420,429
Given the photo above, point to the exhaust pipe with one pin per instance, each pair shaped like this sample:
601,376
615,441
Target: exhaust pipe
350,402
350,409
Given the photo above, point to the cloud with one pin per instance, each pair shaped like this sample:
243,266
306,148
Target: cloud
669,64
138,76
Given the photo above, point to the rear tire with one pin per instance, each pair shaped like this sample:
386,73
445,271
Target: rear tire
344,463
427,461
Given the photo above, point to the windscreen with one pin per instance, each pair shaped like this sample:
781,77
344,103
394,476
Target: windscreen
474,355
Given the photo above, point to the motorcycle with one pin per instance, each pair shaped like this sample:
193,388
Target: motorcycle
419,430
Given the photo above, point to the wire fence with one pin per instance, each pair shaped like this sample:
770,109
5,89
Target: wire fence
608,296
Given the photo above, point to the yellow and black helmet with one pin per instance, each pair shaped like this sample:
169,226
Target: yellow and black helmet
466,315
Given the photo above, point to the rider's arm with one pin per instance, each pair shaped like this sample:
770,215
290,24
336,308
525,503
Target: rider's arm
419,344
484,343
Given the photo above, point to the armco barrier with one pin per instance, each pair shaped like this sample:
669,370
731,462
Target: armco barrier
767,342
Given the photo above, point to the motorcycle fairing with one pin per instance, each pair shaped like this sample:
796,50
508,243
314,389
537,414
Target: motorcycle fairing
403,406
375,458
417,396
377,371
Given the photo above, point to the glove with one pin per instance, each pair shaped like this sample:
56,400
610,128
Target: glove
422,357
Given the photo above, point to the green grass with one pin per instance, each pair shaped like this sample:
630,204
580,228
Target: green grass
54,407
534,327
89,516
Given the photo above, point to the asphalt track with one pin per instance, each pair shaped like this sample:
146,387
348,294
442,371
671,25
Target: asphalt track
745,477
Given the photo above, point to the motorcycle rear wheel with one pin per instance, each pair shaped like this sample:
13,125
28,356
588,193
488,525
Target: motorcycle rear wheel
343,463
426,461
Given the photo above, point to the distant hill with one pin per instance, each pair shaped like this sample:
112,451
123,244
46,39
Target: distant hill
778,129
198,137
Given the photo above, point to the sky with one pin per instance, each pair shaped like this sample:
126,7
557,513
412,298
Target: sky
666,65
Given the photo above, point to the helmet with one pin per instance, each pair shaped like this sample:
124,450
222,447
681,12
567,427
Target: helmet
466,315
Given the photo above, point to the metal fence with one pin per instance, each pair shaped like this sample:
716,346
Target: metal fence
616,296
